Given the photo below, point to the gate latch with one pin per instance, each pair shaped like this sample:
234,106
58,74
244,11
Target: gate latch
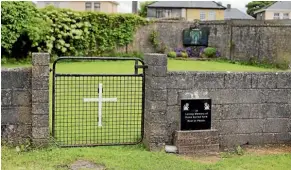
140,66
136,67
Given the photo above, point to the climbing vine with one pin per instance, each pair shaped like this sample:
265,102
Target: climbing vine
158,46
154,39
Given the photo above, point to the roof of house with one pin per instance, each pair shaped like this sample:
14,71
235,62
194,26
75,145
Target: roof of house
281,5
234,13
115,2
187,4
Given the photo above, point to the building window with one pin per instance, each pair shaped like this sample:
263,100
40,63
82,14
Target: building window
276,15
202,16
161,13
88,6
286,16
211,15
96,6
167,13
57,4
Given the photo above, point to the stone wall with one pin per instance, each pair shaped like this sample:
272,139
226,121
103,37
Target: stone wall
170,33
235,39
16,104
262,43
155,117
25,102
247,108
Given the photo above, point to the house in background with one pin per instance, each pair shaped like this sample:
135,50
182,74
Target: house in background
234,13
100,6
277,10
190,10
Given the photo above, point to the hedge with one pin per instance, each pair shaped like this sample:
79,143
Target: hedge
63,32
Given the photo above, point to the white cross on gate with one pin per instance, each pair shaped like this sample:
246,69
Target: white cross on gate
100,100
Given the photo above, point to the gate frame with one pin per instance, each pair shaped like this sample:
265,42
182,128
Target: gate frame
136,67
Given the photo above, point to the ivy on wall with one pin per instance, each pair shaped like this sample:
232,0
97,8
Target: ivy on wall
63,32
159,47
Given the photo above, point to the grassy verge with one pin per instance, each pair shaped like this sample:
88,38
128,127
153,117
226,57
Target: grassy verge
133,158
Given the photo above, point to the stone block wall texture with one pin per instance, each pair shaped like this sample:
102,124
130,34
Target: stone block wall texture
16,104
247,108
199,142
155,117
244,40
25,102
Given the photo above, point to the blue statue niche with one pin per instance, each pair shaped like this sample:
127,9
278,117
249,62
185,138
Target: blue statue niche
195,36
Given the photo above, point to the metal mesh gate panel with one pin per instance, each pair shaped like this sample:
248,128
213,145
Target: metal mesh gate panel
97,109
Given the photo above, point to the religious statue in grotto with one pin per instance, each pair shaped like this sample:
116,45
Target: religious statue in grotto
195,35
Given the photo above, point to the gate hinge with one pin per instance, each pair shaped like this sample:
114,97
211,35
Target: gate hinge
51,69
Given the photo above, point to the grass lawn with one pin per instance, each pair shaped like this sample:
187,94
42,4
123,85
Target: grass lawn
173,65
135,158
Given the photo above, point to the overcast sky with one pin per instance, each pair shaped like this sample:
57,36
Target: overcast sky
125,6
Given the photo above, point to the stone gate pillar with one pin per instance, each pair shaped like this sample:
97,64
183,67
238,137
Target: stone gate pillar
155,122
40,98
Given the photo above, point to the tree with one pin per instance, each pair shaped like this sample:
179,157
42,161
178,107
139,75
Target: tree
256,5
143,8
22,28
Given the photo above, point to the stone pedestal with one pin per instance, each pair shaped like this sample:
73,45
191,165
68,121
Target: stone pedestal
198,142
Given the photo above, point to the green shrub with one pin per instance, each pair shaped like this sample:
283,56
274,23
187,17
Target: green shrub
160,47
184,55
64,32
283,61
172,54
154,39
22,28
133,54
88,33
239,150
4,60
282,65
209,52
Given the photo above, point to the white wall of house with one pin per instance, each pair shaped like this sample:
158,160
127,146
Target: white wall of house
273,14
184,13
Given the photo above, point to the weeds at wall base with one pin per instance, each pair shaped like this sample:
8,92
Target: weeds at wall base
282,66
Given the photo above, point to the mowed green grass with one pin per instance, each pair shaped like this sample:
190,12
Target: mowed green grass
173,65
135,158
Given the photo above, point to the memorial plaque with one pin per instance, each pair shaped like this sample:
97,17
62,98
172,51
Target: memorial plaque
196,36
195,114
